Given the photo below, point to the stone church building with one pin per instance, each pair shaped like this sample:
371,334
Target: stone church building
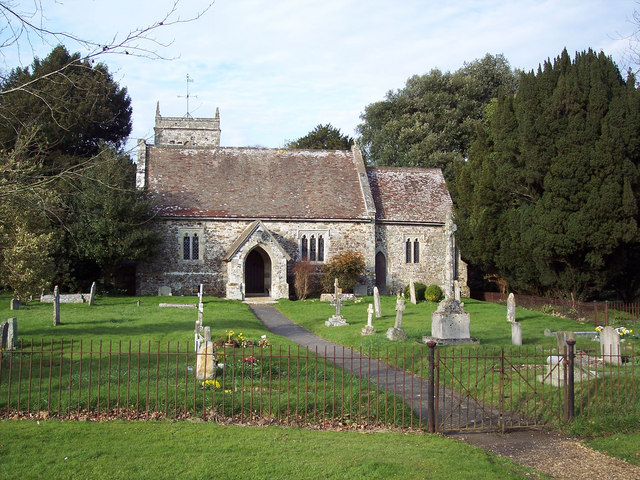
237,219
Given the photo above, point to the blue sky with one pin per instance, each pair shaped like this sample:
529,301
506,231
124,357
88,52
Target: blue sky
278,68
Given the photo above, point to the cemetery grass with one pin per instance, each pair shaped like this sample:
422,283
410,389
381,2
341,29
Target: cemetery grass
476,367
121,449
120,362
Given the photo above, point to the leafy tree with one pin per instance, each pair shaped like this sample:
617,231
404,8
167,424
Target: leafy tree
549,197
431,121
325,137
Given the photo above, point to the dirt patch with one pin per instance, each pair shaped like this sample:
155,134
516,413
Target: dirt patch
554,454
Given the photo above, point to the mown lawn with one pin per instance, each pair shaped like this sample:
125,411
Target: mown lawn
131,450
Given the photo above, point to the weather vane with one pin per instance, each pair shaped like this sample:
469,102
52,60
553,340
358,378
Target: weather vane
188,115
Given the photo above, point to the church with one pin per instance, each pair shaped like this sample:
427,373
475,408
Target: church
236,219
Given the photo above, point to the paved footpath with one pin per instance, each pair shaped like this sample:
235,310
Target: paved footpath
549,452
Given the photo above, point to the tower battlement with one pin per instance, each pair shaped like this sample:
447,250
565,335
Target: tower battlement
187,131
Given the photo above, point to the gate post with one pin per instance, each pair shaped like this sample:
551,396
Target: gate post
570,379
431,411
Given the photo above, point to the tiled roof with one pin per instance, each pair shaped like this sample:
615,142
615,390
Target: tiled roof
406,194
255,183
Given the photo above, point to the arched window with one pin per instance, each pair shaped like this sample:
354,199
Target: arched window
312,248
195,247
320,248
416,251
407,253
186,247
303,248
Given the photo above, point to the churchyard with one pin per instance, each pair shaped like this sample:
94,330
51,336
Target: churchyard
148,351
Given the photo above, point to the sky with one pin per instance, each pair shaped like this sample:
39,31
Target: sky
278,68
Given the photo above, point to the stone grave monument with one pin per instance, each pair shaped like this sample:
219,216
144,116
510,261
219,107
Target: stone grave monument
610,346
516,334
396,332
412,292
336,320
450,322
14,304
376,302
511,308
56,306
368,328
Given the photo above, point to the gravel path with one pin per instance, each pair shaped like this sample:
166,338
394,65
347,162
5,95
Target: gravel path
548,452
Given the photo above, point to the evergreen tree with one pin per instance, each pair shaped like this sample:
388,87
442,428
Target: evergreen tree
549,196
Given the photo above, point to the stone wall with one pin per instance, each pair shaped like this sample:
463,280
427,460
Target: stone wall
183,276
429,270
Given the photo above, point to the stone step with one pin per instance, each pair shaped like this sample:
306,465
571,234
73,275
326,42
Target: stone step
259,300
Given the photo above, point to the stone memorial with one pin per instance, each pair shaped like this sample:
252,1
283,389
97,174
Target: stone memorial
56,306
610,346
360,290
516,334
368,328
14,304
376,302
4,331
336,320
396,332
450,323
92,294
200,293
205,366
457,290
562,338
585,367
511,308
412,292
164,291
12,334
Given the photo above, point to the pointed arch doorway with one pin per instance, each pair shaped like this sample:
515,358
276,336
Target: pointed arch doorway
257,273
381,272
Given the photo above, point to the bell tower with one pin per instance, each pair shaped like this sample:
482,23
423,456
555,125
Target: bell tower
187,131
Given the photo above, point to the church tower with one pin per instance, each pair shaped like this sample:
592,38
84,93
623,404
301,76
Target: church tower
187,131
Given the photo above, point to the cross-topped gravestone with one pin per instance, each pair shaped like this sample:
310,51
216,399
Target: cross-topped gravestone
368,328
376,302
336,320
397,333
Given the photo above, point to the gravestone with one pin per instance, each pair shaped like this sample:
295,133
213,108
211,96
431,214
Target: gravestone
164,291
376,302
336,320
200,312
200,293
137,303
548,332
450,323
12,334
511,308
360,290
14,304
412,292
516,333
205,368
610,346
562,338
396,332
368,328
56,306
92,294
456,290
4,331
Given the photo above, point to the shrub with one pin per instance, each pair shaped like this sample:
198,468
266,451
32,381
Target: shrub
433,293
420,289
303,282
347,267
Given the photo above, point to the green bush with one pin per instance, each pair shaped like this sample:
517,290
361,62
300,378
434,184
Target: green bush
433,293
420,289
347,267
